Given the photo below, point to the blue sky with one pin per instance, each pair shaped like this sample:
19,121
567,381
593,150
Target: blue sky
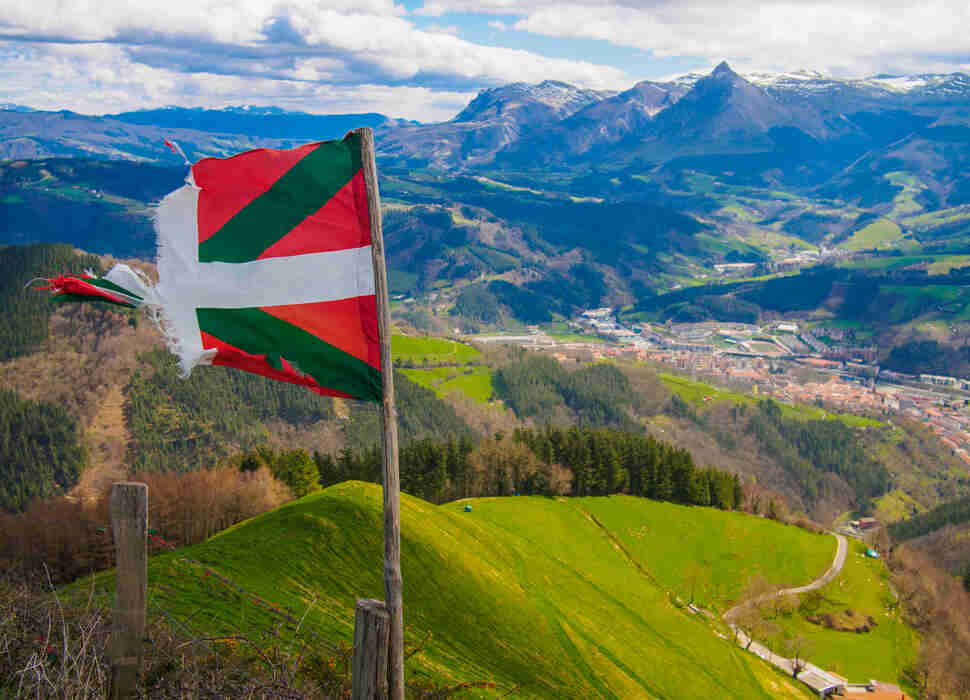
425,59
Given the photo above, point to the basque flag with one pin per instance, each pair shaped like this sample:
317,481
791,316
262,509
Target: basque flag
265,265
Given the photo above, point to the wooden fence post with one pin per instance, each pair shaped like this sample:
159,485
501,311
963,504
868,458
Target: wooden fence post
129,526
372,633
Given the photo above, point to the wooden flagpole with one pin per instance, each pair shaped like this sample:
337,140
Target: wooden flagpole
392,478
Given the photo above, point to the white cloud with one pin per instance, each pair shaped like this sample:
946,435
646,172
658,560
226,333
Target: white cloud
371,37
101,78
105,55
451,29
842,37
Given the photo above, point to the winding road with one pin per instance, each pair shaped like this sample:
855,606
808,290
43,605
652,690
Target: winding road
784,663
840,553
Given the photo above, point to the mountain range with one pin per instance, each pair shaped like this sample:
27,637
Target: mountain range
519,125
653,122
572,196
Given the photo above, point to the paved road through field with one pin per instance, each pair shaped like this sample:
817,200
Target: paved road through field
840,553
784,663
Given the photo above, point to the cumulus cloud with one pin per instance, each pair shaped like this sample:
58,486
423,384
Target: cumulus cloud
102,55
840,37
104,79
363,42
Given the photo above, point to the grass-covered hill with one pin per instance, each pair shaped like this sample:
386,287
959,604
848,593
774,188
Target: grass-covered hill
555,597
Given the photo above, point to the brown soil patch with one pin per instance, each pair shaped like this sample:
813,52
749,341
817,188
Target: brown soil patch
107,440
844,621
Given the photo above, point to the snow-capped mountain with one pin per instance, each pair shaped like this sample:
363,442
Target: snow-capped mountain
548,101
493,120
879,91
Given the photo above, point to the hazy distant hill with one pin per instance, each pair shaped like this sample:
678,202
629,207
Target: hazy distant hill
140,135
257,122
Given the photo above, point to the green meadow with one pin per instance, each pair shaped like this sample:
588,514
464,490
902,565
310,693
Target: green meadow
423,350
863,587
881,233
456,371
723,549
556,598
695,393
475,382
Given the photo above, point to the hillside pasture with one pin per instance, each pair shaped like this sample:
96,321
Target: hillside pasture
431,351
696,392
475,382
526,592
881,233
705,555
863,588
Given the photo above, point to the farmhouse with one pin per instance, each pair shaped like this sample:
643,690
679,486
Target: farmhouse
824,683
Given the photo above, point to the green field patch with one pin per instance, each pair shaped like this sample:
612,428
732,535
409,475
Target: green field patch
489,182
430,377
881,233
526,592
773,240
474,382
897,505
705,555
763,347
894,262
904,203
573,337
696,392
736,210
425,350
863,588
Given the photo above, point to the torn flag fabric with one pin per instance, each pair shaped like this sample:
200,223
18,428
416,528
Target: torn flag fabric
265,265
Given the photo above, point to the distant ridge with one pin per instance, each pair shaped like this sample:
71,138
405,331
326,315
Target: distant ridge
11,107
263,122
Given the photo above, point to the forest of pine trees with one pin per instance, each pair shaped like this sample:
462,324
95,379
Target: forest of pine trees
539,387
553,461
810,448
184,424
24,312
41,454
952,513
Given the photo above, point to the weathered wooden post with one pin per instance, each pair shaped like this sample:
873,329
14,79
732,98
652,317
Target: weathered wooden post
393,584
129,526
372,635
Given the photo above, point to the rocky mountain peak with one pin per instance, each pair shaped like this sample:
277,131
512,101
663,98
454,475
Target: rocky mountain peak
549,100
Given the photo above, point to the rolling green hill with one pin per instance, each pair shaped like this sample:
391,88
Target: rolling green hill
527,592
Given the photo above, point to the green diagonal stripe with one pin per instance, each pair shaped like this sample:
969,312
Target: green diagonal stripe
304,188
111,286
260,333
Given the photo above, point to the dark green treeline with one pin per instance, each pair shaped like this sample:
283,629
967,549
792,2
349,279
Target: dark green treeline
553,461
